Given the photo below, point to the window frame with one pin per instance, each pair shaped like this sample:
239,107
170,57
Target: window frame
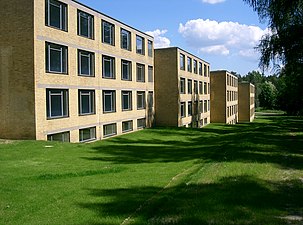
200,68
150,48
63,50
150,74
111,31
91,59
189,64
182,61
112,67
64,103
63,20
91,103
129,129
90,24
110,134
142,74
195,65
141,105
112,95
92,134
128,41
129,102
189,86
50,136
182,85
182,112
143,125
129,69
141,50
190,108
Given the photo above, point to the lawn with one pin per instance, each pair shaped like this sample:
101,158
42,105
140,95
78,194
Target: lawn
220,174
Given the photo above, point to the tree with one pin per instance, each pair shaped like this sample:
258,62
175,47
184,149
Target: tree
268,95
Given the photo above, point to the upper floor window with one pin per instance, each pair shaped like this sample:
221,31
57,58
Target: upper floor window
85,25
140,45
150,48
189,87
125,39
56,58
182,109
140,72
56,14
150,74
182,85
86,63
86,102
196,87
182,62
56,103
126,100
200,87
200,68
189,66
205,70
140,100
109,101
126,70
195,66
108,33
108,67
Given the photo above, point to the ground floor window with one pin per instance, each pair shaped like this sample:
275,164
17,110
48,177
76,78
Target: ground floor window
87,134
63,137
109,130
127,126
141,123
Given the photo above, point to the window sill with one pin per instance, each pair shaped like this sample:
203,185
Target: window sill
56,28
56,73
58,117
85,75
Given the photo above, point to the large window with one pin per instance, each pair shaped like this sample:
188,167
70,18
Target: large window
109,101
86,102
189,64
195,66
86,63
127,126
125,39
140,45
150,48
108,67
140,72
109,130
141,100
56,103
141,123
150,74
108,33
182,62
87,134
189,87
56,58
182,109
126,70
85,25
190,108
56,14
62,137
182,85
126,100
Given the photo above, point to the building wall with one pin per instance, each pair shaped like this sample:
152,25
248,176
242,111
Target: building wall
224,97
17,114
169,98
73,82
246,102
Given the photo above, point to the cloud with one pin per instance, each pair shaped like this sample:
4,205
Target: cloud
223,38
213,1
159,40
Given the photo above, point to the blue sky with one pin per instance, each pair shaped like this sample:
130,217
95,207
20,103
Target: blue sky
221,32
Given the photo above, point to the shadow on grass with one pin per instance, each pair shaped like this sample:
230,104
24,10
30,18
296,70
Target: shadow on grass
269,140
217,203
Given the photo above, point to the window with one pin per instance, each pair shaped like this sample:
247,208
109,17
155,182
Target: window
85,25
205,70
141,123
109,101
140,100
205,88
140,45
108,33
56,58
196,87
62,137
150,48
86,63
126,70
127,126
195,66
201,106
150,99
86,102
208,103
126,100
56,14
182,85
140,73
190,108
109,130
189,66
182,109
150,74
208,88
182,62
108,67
56,103
189,87
205,106
87,134
125,39
200,68
200,88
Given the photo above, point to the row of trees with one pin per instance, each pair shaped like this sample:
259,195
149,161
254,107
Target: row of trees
283,46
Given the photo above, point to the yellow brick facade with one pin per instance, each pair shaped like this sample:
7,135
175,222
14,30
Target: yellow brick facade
182,84
28,44
224,97
246,102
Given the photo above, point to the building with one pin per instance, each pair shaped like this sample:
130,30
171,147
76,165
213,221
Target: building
182,85
223,97
71,73
246,102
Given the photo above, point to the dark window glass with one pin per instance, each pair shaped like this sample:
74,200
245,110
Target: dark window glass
150,48
85,25
86,102
108,67
140,72
140,45
126,67
125,39
108,31
109,130
126,100
140,100
127,126
62,137
86,63
56,14
109,101
141,123
150,74
87,134
56,103
56,58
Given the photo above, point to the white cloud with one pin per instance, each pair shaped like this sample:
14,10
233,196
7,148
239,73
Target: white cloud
213,1
160,40
223,38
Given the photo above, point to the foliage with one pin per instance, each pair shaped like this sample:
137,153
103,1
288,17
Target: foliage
268,95
220,174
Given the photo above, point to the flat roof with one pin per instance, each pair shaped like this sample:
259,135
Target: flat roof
103,14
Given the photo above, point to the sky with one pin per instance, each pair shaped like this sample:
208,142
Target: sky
221,32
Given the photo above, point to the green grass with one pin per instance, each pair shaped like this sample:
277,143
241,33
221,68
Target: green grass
221,174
